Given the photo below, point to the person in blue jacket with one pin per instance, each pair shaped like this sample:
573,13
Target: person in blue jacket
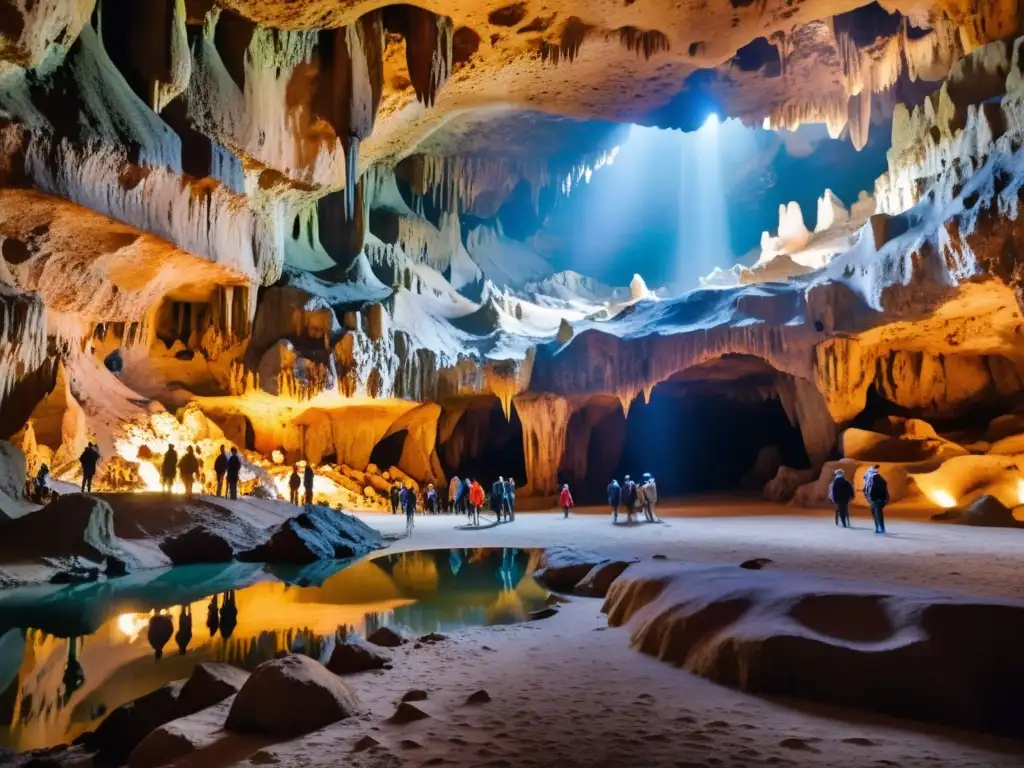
614,498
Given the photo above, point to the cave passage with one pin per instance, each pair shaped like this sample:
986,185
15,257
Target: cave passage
485,445
694,440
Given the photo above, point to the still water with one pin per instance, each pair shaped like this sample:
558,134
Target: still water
69,655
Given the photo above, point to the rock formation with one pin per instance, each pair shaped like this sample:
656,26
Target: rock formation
286,226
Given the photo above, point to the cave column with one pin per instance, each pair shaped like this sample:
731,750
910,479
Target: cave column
806,408
545,420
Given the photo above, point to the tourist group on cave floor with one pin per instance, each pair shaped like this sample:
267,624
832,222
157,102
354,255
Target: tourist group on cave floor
462,496
875,490
632,497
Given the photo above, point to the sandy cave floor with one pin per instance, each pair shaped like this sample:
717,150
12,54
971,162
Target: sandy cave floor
568,691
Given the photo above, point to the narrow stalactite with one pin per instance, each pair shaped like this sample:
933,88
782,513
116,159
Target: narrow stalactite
574,33
643,41
428,47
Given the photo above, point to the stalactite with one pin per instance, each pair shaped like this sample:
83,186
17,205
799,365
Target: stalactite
545,420
428,48
574,33
860,118
645,41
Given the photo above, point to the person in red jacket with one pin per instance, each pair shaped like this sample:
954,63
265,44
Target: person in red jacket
476,500
565,499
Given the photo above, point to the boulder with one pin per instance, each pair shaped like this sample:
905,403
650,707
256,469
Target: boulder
601,576
416,694
542,613
783,486
290,696
176,742
210,683
319,533
756,564
407,713
985,511
198,545
351,657
917,429
562,568
386,637
478,697
129,724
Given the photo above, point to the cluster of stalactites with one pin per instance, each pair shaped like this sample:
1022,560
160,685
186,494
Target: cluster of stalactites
867,70
575,32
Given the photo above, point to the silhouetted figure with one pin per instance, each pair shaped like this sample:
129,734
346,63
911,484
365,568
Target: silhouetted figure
876,491
169,470
463,496
408,497
184,634
476,501
453,494
74,674
41,485
840,493
498,497
430,500
307,483
213,616
565,499
629,494
159,633
510,499
220,468
395,495
89,459
228,615
650,503
234,469
294,481
189,468
614,498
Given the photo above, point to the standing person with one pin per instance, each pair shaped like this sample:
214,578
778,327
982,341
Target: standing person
189,467
430,499
498,497
294,481
877,494
169,469
650,498
476,500
220,468
90,458
628,497
565,499
510,498
307,483
234,470
840,493
408,496
464,495
614,498
395,494
453,493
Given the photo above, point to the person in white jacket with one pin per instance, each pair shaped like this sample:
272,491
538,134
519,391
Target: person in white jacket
650,498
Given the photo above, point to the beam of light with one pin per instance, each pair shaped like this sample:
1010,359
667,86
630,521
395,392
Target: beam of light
941,498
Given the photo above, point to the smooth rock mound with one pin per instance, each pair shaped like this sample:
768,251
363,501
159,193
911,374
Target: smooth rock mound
198,545
985,511
386,637
562,568
321,533
349,658
290,696
910,653
600,578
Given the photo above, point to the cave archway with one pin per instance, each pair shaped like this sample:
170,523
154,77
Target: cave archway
702,429
388,452
482,443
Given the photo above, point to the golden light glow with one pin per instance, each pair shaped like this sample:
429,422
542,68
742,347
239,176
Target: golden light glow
942,498
1020,491
131,624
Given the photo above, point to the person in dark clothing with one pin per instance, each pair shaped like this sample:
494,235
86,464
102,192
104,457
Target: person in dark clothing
169,470
498,497
467,505
234,470
840,493
220,468
510,499
408,499
41,485
876,490
293,486
628,497
396,498
189,468
307,483
614,498
213,616
430,500
90,458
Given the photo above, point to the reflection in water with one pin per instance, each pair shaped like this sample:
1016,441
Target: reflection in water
96,647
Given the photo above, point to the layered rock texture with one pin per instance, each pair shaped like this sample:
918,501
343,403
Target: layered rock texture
294,217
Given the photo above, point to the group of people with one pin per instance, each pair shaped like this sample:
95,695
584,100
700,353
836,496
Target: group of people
875,490
226,467
305,482
634,497
464,496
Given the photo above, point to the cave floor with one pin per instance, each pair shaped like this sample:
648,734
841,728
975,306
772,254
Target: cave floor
914,552
568,691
